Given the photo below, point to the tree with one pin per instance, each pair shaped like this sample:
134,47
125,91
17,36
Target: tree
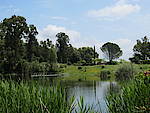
62,47
32,43
87,54
142,48
14,29
111,51
74,55
141,51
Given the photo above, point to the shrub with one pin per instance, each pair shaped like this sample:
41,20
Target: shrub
62,65
104,75
79,68
125,72
103,67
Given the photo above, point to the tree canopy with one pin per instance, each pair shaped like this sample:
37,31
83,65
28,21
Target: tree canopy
141,50
111,51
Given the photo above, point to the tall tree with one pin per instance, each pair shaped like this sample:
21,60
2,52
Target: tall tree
87,54
32,43
111,51
15,29
74,55
62,47
142,48
141,51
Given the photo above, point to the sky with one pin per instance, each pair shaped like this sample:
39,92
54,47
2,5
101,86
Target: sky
87,22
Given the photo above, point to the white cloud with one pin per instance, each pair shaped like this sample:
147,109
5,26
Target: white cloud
77,40
117,11
51,30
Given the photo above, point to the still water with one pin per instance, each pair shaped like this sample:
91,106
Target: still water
94,93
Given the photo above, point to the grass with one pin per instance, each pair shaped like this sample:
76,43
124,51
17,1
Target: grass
32,97
87,73
92,73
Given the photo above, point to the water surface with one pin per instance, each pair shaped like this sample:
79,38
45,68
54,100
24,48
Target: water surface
94,93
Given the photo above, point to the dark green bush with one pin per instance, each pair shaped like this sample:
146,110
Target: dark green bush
125,72
104,74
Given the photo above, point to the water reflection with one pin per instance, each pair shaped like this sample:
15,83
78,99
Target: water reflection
94,93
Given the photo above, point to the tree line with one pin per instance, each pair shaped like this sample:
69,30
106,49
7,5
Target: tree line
21,52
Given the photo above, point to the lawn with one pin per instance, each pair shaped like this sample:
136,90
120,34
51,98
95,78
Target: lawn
90,73
86,73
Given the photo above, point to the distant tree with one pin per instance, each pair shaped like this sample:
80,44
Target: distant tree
14,29
62,47
73,54
32,43
87,54
141,51
111,51
142,48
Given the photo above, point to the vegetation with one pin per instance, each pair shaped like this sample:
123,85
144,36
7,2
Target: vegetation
133,97
88,73
30,97
111,51
105,74
22,54
141,51
125,72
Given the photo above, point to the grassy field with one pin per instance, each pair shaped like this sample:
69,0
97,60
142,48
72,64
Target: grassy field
87,73
90,73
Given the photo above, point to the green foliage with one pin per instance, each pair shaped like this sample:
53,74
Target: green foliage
73,55
133,97
15,29
87,54
104,74
62,46
32,97
20,50
125,72
145,62
28,97
141,51
111,51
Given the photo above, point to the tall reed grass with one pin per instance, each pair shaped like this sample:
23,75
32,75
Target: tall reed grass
32,97
134,97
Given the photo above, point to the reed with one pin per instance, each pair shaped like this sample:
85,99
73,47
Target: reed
33,97
134,97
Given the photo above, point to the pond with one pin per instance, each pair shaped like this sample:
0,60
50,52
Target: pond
94,93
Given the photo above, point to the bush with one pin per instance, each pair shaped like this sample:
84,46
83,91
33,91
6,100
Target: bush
112,63
62,65
125,72
102,67
104,75
79,68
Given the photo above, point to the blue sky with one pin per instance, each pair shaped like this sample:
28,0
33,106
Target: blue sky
87,22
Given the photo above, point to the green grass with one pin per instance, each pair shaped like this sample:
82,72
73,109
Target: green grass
92,73
87,73
33,97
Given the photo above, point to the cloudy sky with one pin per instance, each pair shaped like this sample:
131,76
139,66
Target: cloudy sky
87,22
